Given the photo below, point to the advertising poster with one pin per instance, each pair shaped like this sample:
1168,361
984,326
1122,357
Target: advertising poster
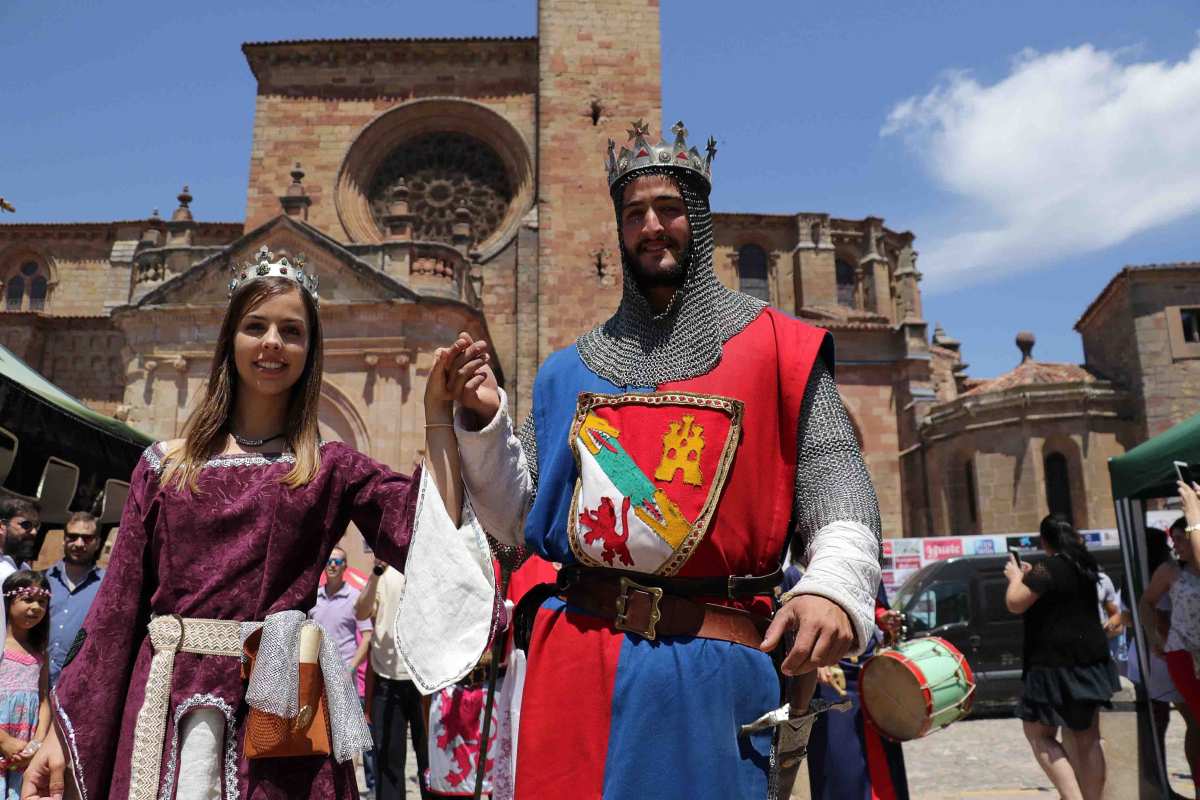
943,548
1023,541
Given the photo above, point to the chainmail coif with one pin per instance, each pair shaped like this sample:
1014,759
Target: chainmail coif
637,346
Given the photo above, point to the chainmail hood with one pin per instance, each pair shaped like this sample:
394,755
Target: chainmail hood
637,346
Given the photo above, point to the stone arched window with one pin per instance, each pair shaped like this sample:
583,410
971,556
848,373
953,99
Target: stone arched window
844,272
26,286
963,497
752,272
1058,486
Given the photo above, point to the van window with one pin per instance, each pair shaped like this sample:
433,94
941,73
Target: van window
940,604
994,609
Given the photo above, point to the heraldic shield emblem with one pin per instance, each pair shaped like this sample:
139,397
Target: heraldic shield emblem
651,469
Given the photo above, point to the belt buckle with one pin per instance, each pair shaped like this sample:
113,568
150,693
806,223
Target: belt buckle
621,622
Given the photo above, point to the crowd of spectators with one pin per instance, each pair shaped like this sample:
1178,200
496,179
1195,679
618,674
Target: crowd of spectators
43,612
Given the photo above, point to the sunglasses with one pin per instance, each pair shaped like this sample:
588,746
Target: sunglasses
86,538
336,562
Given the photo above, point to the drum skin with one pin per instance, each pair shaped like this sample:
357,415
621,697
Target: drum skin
916,688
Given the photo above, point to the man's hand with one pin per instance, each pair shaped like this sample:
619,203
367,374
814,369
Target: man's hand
475,383
823,633
45,775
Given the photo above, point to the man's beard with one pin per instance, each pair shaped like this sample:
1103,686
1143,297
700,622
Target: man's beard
672,278
21,549
85,561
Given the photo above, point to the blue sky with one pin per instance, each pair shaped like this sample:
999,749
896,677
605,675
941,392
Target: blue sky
1034,148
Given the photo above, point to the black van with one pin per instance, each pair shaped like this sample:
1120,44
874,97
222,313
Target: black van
962,600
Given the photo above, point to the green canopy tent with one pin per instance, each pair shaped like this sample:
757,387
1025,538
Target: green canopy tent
1146,472
56,449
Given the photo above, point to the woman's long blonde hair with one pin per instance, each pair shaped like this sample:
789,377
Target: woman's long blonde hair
204,432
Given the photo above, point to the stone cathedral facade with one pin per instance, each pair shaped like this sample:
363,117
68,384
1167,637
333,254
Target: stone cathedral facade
438,185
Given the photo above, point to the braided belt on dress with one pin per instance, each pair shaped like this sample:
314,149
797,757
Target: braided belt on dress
174,634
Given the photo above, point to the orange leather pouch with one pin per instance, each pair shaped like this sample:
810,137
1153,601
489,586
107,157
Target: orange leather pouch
271,736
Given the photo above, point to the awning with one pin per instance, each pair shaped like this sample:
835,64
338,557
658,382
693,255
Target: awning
1148,470
18,372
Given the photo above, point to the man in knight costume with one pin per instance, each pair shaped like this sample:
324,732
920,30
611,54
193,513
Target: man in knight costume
671,454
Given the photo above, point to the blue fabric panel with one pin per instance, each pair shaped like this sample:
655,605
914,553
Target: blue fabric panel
555,394
677,706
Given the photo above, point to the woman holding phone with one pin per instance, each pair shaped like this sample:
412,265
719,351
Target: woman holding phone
1067,672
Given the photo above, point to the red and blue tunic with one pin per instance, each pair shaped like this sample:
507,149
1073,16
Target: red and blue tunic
693,478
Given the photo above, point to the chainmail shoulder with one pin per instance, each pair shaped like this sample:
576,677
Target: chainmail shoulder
832,482
639,347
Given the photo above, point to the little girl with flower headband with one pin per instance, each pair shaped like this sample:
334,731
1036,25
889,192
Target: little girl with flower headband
24,676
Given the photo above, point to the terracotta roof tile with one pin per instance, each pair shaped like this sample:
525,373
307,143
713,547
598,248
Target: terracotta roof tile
1030,373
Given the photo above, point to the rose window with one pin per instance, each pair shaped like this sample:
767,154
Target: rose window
444,172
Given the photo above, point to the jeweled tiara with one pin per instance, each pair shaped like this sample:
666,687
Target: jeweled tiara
266,267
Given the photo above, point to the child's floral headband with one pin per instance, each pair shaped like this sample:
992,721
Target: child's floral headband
29,593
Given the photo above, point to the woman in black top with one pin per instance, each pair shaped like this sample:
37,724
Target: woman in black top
1067,670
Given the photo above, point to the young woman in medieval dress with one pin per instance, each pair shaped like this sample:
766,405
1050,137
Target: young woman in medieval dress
233,523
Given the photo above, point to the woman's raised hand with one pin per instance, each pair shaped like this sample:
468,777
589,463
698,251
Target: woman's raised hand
1191,502
472,381
439,394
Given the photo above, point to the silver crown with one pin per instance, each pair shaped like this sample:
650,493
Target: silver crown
641,154
266,267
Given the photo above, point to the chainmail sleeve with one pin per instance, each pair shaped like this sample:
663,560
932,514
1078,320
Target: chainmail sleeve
528,439
835,510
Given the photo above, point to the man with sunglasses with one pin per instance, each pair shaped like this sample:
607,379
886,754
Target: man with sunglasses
74,582
335,611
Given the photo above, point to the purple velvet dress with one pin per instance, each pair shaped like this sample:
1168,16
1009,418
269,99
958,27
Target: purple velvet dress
244,547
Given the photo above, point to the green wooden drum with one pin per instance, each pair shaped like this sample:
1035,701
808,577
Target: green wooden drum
916,687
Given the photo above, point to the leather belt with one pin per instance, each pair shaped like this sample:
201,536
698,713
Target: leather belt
731,587
649,612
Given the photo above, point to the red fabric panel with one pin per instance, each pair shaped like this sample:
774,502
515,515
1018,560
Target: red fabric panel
766,366
878,769
535,570
579,656
1183,675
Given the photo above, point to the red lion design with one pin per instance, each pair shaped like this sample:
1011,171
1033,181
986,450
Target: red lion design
602,525
461,717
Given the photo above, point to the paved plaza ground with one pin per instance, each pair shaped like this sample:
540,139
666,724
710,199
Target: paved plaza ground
979,759
989,758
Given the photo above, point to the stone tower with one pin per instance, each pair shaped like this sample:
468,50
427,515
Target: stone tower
599,67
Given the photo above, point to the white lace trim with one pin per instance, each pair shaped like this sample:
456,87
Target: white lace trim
72,748
154,459
204,701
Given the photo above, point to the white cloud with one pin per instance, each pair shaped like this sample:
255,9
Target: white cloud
1073,151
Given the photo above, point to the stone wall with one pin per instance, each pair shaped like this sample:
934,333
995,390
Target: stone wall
1006,443
599,68
869,395
315,98
1170,372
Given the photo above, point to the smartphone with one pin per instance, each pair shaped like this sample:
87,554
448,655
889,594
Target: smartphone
1184,472
1016,554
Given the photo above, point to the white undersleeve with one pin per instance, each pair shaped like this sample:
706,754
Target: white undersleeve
201,754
